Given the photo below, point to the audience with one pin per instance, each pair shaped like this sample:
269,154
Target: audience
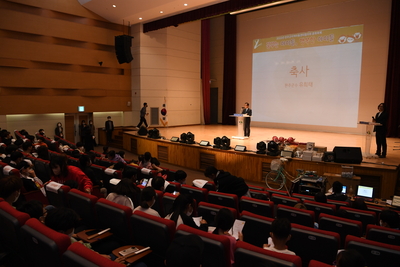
337,194
124,193
28,176
147,200
227,183
61,172
280,234
389,219
10,188
43,152
180,177
350,258
85,163
34,208
224,221
181,212
114,156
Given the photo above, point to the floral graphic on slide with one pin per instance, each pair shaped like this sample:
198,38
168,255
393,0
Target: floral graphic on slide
257,43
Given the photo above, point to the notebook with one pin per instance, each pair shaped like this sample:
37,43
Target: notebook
365,192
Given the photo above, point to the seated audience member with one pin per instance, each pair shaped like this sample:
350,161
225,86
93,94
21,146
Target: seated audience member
40,142
76,154
43,152
27,147
10,188
359,204
158,183
124,193
85,163
15,158
350,258
34,208
8,151
2,152
180,177
80,148
389,219
337,194
19,143
41,132
27,135
185,251
320,197
121,153
29,179
155,165
147,200
115,157
119,166
62,172
105,151
227,183
280,234
6,137
145,161
224,221
181,212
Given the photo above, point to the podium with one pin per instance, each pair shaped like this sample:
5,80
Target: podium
240,125
368,136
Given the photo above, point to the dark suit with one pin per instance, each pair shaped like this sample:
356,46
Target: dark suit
381,131
109,129
246,120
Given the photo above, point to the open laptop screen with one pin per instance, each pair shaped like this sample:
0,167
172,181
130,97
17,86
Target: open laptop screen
344,190
365,191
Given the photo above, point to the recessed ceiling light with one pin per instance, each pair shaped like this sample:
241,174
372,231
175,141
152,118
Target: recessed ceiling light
161,12
114,5
140,18
185,4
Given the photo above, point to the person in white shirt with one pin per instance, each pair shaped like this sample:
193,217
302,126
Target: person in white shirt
280,234
147,200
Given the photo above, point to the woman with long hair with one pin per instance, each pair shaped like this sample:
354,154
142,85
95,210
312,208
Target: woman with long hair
147,200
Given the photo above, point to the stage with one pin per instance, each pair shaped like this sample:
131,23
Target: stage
381,173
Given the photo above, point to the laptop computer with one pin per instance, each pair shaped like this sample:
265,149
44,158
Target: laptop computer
344,190
365,192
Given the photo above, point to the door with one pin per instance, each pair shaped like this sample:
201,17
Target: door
72,122
214,105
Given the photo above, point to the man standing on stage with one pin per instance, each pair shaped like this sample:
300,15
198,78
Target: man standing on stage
380,130
246,120
142,116
109,129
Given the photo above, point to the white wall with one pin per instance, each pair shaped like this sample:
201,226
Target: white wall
33,122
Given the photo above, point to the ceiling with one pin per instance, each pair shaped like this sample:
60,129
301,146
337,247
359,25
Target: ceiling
130,11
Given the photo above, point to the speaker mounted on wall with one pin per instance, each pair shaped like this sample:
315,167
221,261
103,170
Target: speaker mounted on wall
123,45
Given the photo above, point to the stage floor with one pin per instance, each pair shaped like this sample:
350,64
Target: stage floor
329,140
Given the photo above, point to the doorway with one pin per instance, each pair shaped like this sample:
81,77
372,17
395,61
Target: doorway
72,122
214,105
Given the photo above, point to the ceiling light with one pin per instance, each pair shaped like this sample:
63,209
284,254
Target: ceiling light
185,4
114,6
261,6
161,12
140,18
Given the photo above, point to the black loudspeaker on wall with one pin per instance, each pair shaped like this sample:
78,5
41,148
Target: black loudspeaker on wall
348,154
123,45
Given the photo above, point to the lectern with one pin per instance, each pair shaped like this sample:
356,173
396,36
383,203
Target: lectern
368,137
240,123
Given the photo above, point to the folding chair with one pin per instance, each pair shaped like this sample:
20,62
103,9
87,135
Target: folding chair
260,207
256,229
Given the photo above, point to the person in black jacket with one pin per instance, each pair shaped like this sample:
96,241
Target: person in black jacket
227,183
181,212
381,130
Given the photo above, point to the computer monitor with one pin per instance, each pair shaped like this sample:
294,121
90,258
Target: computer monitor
365,191
344,190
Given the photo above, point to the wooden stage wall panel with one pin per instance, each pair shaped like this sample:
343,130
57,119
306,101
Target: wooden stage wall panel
251,166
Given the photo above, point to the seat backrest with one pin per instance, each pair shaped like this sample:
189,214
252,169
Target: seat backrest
77,255
314,263
43,246
158,205
256,229
284,200
258,194
99,173
83,204
172,187
73,161
42,169
383,234
11,220
168,202
340,225
260,207
338,203
114,216
216,247
250,255
304,197
200,194
208,211
313,244
295,215
152,231
376,254
210,186
59,199
223,199
364,216
318,207
256,187
276,191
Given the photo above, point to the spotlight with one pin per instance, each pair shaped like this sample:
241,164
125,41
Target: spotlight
261,148
190,138
174,139
217,142
225,143
154,133
183,138
273,149
240,148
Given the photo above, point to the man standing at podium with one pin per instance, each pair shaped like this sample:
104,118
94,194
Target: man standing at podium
246,120
381,117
